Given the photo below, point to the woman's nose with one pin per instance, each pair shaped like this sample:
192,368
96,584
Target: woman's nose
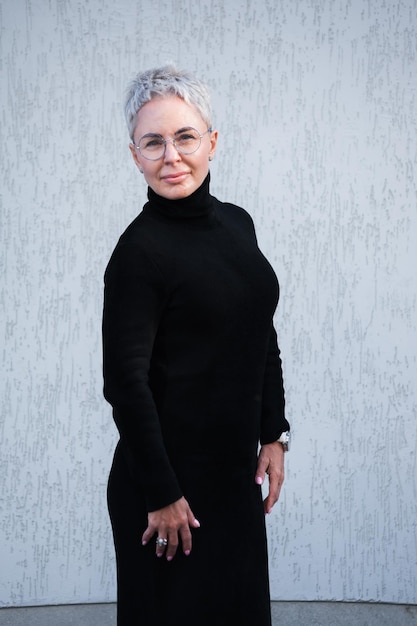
171,153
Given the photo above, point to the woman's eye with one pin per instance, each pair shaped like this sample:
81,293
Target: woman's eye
154,142
186,138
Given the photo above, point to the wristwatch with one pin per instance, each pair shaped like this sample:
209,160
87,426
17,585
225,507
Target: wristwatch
284,440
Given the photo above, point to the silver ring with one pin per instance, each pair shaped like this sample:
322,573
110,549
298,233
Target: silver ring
161,542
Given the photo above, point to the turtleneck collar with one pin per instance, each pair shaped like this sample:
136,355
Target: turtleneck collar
197,205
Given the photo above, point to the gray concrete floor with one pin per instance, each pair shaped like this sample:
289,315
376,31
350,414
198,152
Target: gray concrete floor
283,614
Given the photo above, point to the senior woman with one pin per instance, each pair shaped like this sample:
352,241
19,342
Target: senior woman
193,373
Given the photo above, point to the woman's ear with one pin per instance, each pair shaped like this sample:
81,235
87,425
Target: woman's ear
213,143
135,156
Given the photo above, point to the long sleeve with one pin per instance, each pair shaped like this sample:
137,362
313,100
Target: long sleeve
273,421
134,299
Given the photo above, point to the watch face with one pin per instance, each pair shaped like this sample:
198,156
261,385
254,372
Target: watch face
285,440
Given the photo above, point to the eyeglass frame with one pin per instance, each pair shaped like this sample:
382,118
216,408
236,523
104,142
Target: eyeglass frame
173,141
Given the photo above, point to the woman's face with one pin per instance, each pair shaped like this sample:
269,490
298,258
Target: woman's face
174,175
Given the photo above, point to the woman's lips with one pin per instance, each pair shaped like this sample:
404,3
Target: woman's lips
175,177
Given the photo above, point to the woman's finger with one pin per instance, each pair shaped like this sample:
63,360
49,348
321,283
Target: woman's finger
275,484
186,539
162,543
172,545
148,534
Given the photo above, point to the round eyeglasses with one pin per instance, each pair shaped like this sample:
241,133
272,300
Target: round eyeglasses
186,141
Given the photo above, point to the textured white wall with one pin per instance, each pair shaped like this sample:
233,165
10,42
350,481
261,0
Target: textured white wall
315,101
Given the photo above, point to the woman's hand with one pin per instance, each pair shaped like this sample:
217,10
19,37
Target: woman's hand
271,462
172,523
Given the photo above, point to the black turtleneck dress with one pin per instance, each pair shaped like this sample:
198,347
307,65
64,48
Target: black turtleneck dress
193,373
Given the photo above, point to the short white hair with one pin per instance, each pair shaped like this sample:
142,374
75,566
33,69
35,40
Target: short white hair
163,81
